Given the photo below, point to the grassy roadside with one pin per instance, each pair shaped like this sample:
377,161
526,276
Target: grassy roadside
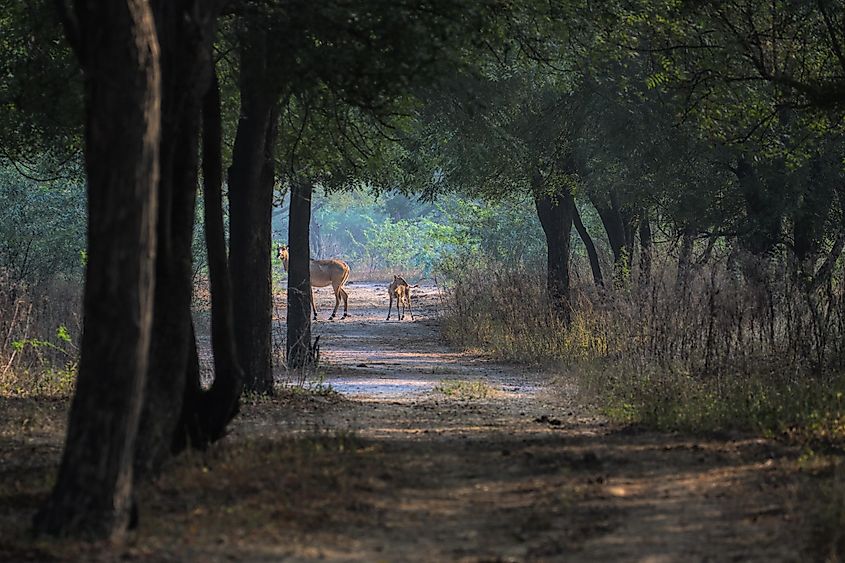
711,358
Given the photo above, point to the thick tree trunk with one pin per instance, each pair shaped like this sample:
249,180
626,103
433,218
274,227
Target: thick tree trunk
250,214
171,342
763,218
555,214
299,276
185,31
117,46
205,415
593,256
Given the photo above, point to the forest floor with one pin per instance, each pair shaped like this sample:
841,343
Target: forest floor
401,449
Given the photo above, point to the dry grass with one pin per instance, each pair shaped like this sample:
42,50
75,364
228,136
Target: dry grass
713,353
39,334
464,389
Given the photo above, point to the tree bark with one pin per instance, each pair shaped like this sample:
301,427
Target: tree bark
646,245
593,256
250,215
118,50
823,274
618,224
205,415
185,30
555,214
299,276
685,258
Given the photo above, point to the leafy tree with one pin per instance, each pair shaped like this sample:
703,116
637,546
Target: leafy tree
761,84
366,56
42,228
41,96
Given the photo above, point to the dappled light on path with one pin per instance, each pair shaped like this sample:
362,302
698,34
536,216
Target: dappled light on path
398,449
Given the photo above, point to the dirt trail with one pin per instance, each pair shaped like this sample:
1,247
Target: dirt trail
416,460
525,473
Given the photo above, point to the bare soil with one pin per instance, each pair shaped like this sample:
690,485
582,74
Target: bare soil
404,450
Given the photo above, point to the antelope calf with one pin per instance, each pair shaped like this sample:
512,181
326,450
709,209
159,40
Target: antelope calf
401,292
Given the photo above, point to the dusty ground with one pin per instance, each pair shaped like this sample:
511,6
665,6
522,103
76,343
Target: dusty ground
428,455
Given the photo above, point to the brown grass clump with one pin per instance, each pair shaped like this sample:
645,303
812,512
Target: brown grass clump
466,389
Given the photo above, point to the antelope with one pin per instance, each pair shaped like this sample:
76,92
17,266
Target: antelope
325,273
401,291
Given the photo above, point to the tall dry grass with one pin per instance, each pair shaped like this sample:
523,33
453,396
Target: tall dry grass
712,350
40,327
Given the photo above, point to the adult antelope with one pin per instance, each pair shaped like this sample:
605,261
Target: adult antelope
401,291
325,273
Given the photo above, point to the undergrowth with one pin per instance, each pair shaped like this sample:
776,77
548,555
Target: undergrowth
39,334
708,352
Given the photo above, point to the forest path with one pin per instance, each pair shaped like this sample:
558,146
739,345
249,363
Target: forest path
425,468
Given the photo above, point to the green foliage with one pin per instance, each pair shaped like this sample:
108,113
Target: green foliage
44,382
394,245
393,232
42,227
62,334
45,379
802,410
507,231
40,89
700,357
65,346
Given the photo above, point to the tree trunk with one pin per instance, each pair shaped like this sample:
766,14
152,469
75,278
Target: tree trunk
646,245
299,276
205,415
250,215
618,224
595,266
117,46
810,216
762,208
685,258
555,214
823,275
185,31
